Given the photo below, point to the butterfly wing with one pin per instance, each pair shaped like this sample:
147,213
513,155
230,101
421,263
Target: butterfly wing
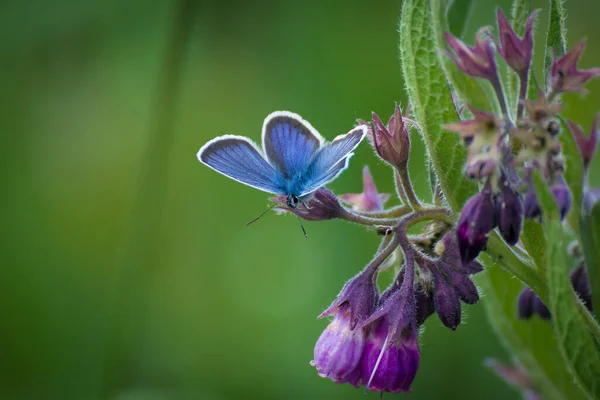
239,159
290,143
332,159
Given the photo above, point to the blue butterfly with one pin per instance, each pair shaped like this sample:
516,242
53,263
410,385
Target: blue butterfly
296,159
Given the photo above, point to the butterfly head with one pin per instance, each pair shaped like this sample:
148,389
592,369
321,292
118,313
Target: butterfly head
292,200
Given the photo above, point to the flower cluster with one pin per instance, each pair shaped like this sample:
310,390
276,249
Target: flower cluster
505,148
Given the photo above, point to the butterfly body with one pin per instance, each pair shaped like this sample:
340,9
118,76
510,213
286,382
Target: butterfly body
294,161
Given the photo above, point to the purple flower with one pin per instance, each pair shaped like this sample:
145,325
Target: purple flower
564,75
477,219
321,206
509,213
562,196
425,305
359,295
392,143
477,61
587,147
525,303
581,285
369,199
448,250
446,301
462,284
516,51
339,350
390,365
531,206
483,124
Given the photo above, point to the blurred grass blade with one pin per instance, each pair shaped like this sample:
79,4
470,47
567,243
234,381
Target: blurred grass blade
575,340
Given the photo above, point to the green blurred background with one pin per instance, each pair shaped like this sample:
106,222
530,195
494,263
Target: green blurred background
127,271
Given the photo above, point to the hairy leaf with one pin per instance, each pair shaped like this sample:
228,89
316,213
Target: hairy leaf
574,175
590,240
556,40
531,341
575,340
534,241
431,101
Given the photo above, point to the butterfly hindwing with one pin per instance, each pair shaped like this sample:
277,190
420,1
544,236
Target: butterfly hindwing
238,158
332,159
290,143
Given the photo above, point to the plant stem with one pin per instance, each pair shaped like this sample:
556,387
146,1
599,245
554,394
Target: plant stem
382,255
394,212
500,94
523,82
404,177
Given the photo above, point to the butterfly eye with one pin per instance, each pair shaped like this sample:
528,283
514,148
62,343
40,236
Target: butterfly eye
293,200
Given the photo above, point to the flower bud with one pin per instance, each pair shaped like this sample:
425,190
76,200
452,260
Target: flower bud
425,305
392,143
524,303
509,213
587,146
477,61
516,51
562,196
581,285
477,219
448,250
564,75
447,304
464,287
540,308
369,199
531,205
339,349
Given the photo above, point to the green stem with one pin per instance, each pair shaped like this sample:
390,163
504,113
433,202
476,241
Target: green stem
394,212
523,82
408,188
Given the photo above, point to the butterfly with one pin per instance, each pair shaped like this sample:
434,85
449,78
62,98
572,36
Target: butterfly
295,159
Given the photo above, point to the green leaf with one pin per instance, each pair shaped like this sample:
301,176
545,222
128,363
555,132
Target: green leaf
534,241
458,13
467,88
590,240
556,40
430,98
574,175
575,340
531,341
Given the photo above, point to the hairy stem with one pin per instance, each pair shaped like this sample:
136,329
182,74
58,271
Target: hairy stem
523,82
500,94
408,188
394,212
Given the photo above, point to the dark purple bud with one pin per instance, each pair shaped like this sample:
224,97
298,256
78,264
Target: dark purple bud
392,143
448,250
390,365
564,75
587,146
540,308
562,196
425,305
590,198
477,219
509,213
339,350
360,295
516,51
447,304
524,303
369,199
531,206
322,205
581,285
477,61
463,286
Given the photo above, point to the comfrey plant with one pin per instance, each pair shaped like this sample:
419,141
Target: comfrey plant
510,199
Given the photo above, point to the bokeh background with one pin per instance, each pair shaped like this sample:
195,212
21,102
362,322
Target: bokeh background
127,271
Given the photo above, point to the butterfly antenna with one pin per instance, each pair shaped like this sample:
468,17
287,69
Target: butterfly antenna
302,226
261,214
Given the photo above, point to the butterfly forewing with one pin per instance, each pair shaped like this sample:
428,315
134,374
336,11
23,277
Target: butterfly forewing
290,143
332,159
238,158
